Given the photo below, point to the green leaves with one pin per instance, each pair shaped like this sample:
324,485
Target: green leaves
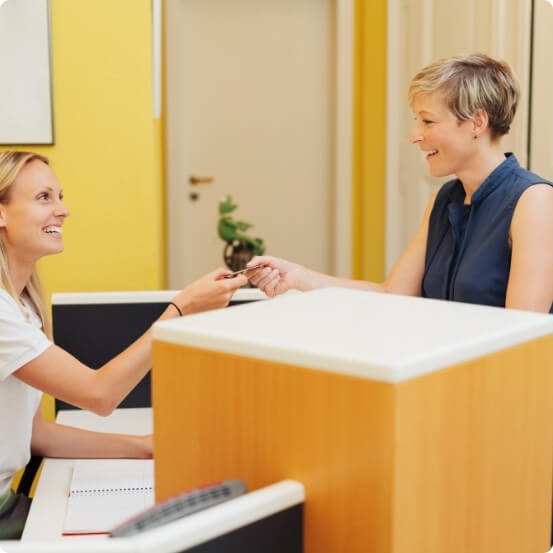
231,230
226,205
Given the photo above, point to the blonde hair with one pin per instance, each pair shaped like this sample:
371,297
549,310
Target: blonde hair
471,83
11,164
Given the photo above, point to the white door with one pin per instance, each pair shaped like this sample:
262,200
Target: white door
251,109
541,157
422,31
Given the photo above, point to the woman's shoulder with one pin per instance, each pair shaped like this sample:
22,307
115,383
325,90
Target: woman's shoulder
537,195
17,320
450,191
529,185
7,301
11,311
528,178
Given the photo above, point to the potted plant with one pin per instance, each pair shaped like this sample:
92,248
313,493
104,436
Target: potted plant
240,247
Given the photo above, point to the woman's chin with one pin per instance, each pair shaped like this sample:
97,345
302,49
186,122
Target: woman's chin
438,172
54,250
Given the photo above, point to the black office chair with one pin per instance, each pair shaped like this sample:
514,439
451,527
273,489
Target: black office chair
29,474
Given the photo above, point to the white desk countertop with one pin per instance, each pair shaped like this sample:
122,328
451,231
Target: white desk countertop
47,512
141,296
369,335
44,525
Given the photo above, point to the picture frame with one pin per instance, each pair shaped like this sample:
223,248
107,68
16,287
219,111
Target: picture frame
26,96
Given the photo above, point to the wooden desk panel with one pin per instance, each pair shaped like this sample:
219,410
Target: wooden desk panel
454,461
474,462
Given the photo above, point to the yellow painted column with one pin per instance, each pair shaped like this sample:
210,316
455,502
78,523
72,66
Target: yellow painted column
369,164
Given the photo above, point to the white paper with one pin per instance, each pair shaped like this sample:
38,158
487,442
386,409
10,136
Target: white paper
104,493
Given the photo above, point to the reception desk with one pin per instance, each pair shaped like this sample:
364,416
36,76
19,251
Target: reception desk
415,425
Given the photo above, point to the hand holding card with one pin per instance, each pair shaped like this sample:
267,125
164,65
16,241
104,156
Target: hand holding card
233,274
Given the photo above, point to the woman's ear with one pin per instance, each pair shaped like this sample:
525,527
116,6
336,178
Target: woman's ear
2,217
480,122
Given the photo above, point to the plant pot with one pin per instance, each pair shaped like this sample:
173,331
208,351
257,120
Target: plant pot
237,254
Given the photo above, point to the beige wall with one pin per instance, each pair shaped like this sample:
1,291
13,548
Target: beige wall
541,159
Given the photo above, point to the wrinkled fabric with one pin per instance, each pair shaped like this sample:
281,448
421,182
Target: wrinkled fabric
21,340
13,515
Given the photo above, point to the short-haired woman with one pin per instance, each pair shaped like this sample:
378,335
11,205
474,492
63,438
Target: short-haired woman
486,235
32,214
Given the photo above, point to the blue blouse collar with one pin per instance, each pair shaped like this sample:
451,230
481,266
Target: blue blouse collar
491,183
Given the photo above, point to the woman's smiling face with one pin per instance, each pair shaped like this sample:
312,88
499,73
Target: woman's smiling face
448,143
32,216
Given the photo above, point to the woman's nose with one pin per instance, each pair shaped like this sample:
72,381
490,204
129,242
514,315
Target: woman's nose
62,210
415,135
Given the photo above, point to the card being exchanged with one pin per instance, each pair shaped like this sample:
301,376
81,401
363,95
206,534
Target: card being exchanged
232,275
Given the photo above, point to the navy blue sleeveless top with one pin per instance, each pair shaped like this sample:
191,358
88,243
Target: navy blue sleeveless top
468,257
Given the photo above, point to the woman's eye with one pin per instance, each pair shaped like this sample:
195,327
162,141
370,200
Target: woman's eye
43,196
427,121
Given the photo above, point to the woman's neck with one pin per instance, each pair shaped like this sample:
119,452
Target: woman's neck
20,274
482,164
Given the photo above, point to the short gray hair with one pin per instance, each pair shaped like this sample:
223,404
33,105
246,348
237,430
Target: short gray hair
471,83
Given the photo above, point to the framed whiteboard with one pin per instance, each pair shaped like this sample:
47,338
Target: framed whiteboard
26,82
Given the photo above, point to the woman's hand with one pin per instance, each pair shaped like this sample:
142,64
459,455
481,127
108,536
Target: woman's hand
145,446
278,275
211,291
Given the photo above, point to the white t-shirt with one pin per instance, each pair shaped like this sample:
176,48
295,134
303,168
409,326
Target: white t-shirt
21,340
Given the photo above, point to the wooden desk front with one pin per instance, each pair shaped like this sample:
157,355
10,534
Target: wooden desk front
451,453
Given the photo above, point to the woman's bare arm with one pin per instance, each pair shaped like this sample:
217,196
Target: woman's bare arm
278,275
61,375
530,284
55,440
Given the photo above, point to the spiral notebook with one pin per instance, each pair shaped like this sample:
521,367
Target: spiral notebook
104,493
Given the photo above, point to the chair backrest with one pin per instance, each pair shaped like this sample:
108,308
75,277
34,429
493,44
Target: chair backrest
28,477
95,327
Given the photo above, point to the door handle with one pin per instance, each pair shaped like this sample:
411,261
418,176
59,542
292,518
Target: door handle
194,181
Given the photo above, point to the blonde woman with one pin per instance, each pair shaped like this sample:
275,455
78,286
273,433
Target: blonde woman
486,236
32,214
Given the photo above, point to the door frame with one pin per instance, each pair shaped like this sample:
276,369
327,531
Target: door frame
393,197
343,178
341,198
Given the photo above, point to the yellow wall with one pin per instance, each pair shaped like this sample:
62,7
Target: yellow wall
107,148
369,164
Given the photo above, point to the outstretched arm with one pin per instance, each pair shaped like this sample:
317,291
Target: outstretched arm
278,275
61,375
